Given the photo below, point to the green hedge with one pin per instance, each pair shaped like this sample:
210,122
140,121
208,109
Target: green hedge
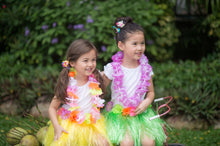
24,84
39,32
194,86
213,21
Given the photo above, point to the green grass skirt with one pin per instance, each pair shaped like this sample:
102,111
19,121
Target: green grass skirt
117,125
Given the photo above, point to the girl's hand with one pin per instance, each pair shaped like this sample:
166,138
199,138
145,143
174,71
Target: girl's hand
141,107
58,131
147,101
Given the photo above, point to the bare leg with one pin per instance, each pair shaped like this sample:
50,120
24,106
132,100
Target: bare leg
127,141
102,141
146,141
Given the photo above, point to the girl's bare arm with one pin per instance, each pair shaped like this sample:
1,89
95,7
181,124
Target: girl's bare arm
148,100
106,80
54,105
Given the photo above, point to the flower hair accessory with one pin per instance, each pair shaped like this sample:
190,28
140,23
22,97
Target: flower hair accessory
65,63
117,30
120,24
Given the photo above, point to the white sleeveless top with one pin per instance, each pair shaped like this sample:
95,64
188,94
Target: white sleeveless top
130,80
84,102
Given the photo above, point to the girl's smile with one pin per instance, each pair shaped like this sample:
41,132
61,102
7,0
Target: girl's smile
139,54
85,64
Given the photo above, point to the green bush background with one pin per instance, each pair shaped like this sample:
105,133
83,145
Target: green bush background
36,35
63,21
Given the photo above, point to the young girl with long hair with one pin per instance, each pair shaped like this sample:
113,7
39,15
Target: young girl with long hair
78,121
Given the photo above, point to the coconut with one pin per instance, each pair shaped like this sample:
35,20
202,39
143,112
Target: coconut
41,134
29,140
15,134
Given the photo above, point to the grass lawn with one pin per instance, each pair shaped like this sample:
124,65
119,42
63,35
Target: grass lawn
209,137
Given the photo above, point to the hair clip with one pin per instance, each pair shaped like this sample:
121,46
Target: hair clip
117,30
120,24
65,63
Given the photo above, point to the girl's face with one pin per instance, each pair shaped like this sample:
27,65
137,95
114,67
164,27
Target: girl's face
134,46
85,64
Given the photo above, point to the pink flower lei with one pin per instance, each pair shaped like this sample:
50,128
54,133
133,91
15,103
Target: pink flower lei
143,83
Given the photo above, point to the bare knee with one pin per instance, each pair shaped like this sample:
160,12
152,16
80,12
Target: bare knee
148,142
102,142
127,141
105,143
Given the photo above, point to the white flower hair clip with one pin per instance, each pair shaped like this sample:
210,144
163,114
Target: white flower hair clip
120,24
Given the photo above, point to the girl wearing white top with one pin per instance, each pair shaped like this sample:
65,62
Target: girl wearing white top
127,114
78,122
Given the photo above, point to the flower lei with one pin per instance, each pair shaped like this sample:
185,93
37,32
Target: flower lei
73,114
143,83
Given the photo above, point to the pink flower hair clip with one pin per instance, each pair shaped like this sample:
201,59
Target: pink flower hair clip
120,24
65,64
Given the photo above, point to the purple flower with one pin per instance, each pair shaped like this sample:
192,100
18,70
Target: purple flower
75,26
103,48
54,24
44,27
149,42
78,26
27,31
89,19
68,3
54,41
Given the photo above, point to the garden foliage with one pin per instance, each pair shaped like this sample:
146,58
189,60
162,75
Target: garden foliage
24,84
39,32
194,86
213,21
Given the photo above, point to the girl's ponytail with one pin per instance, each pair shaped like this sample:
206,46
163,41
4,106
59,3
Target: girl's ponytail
60,89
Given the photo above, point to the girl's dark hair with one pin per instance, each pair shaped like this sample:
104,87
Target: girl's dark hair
76,49
129,27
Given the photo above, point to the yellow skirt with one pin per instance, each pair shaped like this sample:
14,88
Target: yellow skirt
78,134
